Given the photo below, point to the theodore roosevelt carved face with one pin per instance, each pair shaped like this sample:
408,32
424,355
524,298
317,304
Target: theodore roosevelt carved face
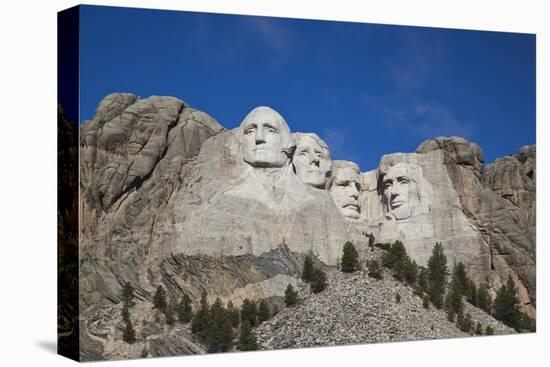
399,190
311,160
266,138
345,188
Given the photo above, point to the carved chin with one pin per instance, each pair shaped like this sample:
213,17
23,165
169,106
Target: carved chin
313,178
350,212
265,158
401,212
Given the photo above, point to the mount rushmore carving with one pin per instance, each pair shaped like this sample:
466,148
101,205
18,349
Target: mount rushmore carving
168,195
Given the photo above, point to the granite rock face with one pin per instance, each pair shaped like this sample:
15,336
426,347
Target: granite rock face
484,218
419,206
499,203
508,211
169,197
235,213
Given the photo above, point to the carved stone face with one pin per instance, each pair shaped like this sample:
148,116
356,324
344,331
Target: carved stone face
345,191
265,136
398,190
311,160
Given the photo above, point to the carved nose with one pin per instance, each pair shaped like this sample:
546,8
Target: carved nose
394,193
260,138
354,193
315,161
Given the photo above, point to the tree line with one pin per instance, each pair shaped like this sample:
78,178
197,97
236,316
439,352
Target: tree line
431,284
220,327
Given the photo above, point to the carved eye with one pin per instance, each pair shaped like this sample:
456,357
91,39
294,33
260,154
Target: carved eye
387,185
249,131
270,129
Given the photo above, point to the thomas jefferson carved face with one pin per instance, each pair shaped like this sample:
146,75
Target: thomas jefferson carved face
311,160
265,138
345,190
398,188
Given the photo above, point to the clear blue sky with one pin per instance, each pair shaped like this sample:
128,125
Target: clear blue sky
366,89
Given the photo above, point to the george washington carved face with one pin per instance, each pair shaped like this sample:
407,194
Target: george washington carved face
311,160
265,138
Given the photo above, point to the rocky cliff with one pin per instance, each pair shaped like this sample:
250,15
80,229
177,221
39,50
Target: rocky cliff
499,202
169,197
358,309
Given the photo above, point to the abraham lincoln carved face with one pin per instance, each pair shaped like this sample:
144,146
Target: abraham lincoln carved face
399,190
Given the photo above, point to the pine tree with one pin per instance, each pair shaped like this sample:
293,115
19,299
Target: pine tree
489,330
185,309
484,300
263,311
249,312
199,325
125,312
307,272
395,254
375,271
454,297
451,316
437,275
397,298
233,314
129,334
453,301
319,281
170,313
426,302
371,241
507,305
465,324
159,299
128,294
459,273
409,270
396,258
422,279
291,296
384,246
350,258
220,331
527,323
459,319
247,338
417,291
144,352
479,329
472,293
